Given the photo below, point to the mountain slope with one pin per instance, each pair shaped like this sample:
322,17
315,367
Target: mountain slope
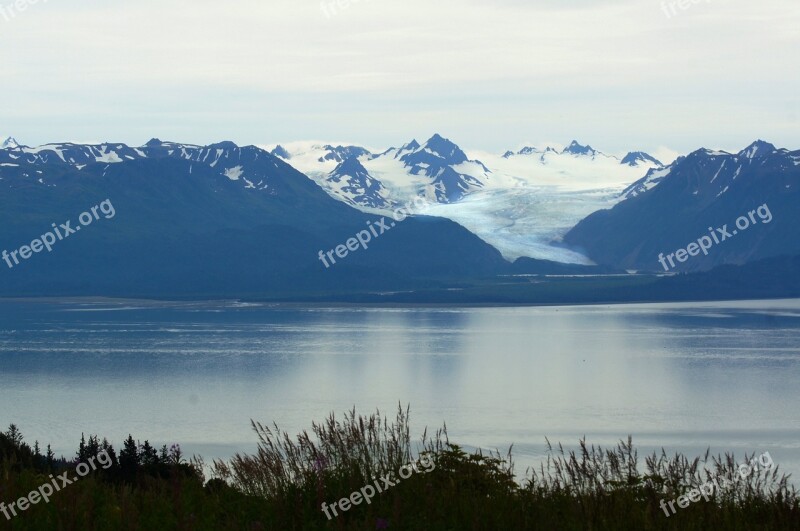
218,220
437,169
356,185
690,199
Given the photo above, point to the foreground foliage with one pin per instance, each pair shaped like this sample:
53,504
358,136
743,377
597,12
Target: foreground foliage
284,484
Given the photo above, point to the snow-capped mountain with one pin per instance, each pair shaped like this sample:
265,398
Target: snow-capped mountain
577,151
640,158
674,206
450,174
341,153
530,150
519,202
249,166
208,220
76,155
653,177
438,170
355,183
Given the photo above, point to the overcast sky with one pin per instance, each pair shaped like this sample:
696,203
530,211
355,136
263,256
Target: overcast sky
618,74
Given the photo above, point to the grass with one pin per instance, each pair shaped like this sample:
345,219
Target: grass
284,484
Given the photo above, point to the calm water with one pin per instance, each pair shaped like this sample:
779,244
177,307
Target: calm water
683,376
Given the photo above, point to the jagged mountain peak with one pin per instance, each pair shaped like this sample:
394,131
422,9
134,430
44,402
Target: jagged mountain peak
9,143
709,188
339,153
350,166
225,144
404,149
530,150
281,152
635,158
446,149
575,148
357,185
759,148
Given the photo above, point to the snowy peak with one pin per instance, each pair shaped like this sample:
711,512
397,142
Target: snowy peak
721,171
9,143
703,189
281,152
638,158
437,151
445,149
77,156
406,148
339,154
757,149
252,167
452,175
350,167
529,151
352,182
577,149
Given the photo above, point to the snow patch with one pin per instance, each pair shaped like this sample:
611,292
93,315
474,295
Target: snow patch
233,173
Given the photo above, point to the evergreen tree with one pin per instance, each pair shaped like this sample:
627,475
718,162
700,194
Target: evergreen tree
148,454
14,434
164,457
82,450
129,459
106,447
50,458
92,447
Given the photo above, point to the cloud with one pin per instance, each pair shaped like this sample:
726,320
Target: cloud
612,72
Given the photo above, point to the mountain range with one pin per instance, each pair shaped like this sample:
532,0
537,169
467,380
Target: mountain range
206,220
442,172
519,201
226,220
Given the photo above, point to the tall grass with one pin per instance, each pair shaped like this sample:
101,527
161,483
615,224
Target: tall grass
362,446
285,482
586,488
591,470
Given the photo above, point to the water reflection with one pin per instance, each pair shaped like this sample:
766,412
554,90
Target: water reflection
685,376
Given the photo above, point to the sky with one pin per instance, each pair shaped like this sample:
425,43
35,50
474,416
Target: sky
617,74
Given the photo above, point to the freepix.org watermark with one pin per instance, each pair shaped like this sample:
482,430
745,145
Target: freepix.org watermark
9,11
376,230
672,7
59,233
424,464
716,237
44,492
707,489
329,8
